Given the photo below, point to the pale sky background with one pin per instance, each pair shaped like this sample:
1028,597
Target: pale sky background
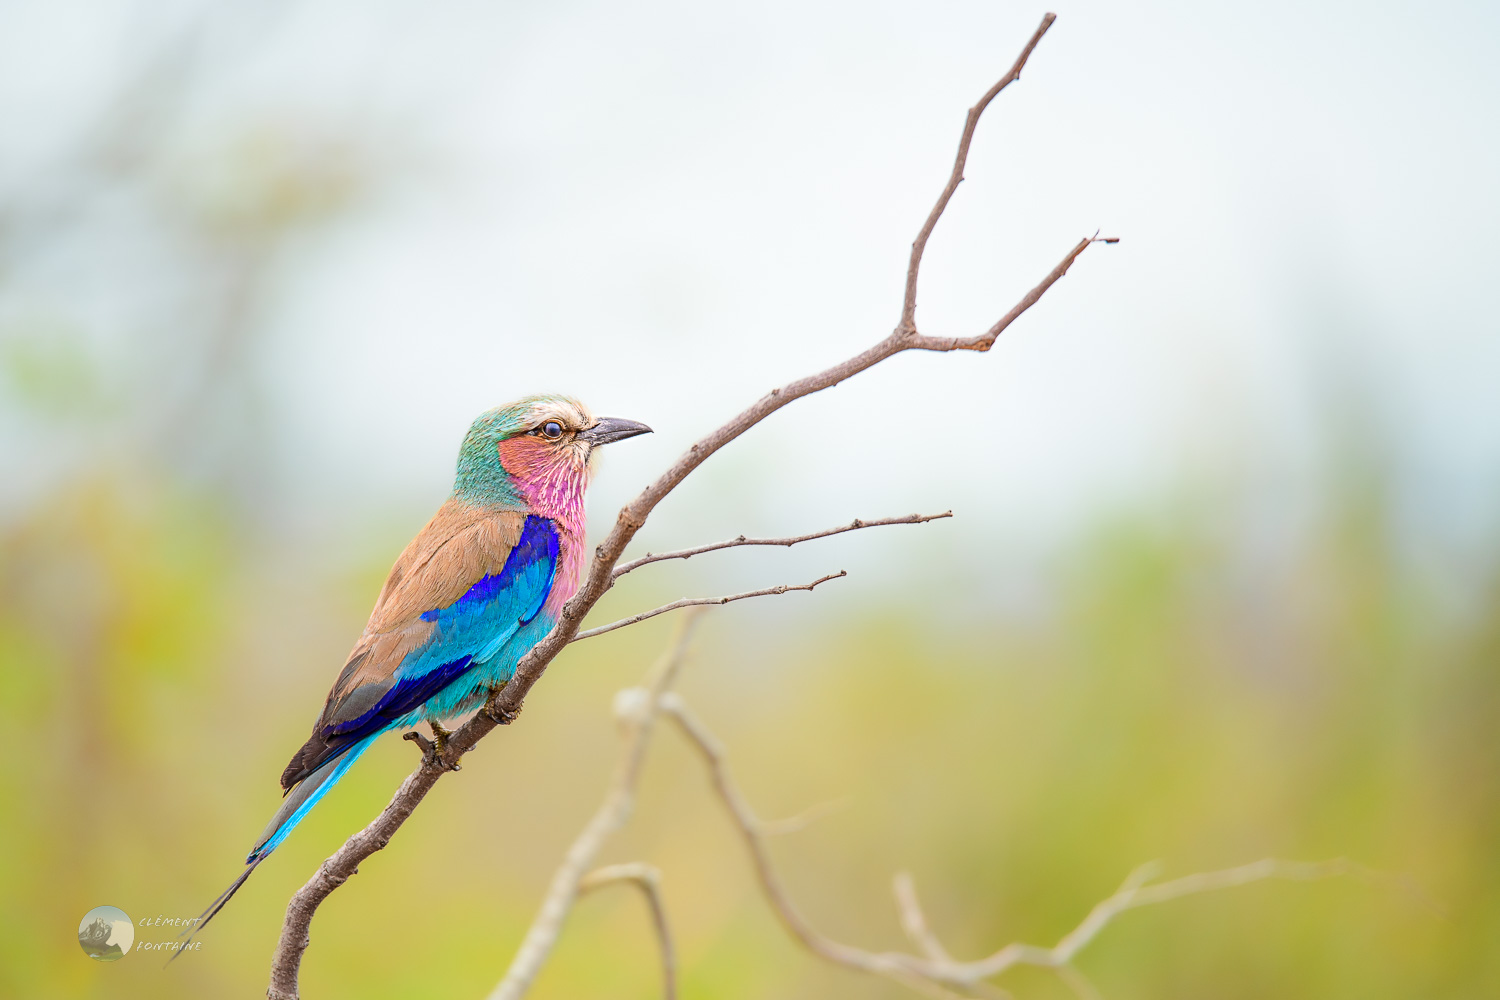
668,208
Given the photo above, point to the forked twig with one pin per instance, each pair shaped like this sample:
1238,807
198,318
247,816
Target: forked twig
914,921
648,879
956,177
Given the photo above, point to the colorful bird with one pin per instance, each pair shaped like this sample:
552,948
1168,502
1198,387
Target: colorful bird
473,592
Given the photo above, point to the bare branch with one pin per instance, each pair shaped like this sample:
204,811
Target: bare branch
504,704
937,968
635,711
889,965
648,879
1134,892
986,340
423,743
971,122
854,525
914,921
691,602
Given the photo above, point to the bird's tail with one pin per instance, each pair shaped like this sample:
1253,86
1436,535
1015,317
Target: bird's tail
297,804
300,800
213,909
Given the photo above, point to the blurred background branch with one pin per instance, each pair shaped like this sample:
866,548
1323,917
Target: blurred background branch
635,715
648,879
936,968
934,972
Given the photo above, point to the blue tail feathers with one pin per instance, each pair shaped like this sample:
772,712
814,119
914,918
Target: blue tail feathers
297,804
300,800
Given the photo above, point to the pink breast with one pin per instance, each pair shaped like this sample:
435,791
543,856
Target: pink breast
552,482
569,572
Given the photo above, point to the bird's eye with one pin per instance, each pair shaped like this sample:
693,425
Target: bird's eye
552,430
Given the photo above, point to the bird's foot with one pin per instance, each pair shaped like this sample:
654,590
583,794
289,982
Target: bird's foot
432,753
439,735
500,715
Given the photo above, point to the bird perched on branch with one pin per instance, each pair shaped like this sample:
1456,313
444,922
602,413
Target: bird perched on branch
481,584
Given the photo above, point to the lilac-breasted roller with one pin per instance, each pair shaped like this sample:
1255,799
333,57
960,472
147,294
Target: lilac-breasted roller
480,585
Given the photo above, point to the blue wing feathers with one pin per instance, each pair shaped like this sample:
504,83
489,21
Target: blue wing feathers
469,631
404,697
534,556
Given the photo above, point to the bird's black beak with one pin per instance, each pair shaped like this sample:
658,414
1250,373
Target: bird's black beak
610,429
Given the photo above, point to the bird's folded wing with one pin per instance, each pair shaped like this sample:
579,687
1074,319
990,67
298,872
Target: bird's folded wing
458,592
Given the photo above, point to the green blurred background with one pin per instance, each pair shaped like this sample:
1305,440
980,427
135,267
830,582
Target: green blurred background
1221,584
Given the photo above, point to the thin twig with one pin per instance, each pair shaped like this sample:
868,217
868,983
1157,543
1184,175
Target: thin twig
936,967
635,711
854,525
1134,892
986,340
692,602
914,921
802,820
1073,978
648,879
504,705
748,824
971,122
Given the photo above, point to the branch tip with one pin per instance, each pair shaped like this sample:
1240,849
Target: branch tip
787,542
690,602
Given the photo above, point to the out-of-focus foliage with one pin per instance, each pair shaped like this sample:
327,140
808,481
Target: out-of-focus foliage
159,663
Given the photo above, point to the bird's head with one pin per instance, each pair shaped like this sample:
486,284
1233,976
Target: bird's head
536,454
